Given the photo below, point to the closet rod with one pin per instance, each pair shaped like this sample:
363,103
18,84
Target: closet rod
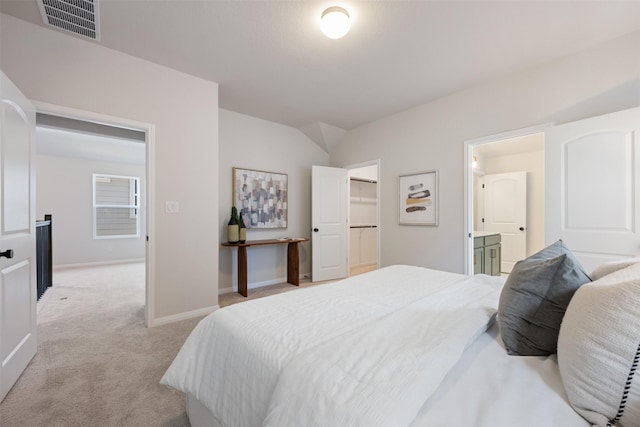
363,226
372,181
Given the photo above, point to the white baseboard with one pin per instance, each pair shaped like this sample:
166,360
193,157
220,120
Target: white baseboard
183,316
255,285
98,263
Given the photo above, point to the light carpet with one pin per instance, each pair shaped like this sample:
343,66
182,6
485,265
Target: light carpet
97,364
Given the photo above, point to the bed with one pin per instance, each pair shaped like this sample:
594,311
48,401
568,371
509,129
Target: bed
399,346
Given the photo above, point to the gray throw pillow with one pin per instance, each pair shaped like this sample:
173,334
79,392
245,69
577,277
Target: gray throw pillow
535,298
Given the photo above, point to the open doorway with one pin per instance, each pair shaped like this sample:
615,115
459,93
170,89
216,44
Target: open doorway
92,178
363,218
505,200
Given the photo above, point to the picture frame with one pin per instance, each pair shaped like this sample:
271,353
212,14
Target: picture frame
418,199
261,197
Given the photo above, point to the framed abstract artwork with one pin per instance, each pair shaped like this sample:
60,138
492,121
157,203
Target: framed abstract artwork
419,199
260,197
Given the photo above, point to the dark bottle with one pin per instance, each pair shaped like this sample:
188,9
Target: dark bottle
242,229
232,227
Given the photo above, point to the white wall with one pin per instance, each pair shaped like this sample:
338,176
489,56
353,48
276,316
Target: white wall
64,189
533,164
252,143
431,136
55,68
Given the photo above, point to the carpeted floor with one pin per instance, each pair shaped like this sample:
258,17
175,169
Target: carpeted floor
97,364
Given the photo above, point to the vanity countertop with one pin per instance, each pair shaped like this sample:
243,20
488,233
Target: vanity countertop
484,233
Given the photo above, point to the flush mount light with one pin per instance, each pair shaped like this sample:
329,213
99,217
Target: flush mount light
335,22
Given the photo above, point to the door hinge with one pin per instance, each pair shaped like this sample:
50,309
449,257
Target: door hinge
482,219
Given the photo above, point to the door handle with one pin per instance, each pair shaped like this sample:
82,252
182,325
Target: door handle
7,254
315,230
521,229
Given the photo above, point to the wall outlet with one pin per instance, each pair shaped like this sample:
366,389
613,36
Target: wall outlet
171,206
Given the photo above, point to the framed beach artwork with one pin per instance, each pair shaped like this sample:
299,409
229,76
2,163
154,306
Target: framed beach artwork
419,199
261,198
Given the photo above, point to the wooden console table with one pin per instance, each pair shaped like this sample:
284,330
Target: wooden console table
293,260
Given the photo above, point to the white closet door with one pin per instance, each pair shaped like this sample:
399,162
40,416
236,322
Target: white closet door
329,222
592,184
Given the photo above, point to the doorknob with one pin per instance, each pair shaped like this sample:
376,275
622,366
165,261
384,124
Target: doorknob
521,229
315,230
7,254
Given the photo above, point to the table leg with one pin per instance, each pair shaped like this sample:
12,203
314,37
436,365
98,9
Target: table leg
242,270
293,264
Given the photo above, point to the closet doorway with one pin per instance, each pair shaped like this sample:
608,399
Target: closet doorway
364,213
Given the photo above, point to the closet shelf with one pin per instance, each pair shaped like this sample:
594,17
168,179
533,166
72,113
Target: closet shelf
364,200
370,181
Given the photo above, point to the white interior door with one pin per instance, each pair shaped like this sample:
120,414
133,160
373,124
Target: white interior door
18,341
505,212
592,172
329,199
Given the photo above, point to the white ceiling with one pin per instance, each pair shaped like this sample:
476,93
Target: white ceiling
60,142
272,61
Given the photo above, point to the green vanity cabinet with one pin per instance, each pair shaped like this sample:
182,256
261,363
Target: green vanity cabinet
478,256
486,253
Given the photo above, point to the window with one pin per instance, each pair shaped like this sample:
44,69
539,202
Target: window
116,206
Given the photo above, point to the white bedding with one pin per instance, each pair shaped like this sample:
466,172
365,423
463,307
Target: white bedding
370,349
489,388
486,388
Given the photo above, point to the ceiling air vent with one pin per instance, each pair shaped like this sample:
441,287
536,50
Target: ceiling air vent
77,16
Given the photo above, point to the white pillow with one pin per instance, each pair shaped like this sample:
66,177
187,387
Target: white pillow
612,266
599,349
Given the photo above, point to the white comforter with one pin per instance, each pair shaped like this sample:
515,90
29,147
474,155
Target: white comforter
368,350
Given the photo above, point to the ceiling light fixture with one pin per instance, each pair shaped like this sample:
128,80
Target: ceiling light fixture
335,22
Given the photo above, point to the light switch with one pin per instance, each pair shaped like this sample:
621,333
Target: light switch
171,206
